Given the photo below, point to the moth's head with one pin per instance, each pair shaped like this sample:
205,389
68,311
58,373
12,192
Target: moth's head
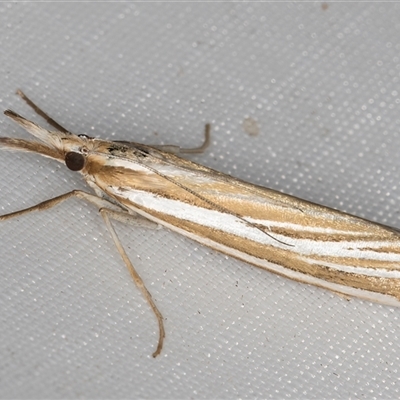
65,147
76,149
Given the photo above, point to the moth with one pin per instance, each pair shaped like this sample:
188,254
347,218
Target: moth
153,185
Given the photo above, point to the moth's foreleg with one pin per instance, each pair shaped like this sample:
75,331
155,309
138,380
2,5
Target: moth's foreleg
45,205
106,214
179,150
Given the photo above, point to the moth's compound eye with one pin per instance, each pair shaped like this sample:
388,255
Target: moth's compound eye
74,161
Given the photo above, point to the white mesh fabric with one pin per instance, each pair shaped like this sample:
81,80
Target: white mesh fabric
302,97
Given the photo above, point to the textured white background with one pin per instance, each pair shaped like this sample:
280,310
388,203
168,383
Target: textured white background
322,83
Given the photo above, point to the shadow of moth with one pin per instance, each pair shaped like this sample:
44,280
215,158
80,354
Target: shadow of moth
152,186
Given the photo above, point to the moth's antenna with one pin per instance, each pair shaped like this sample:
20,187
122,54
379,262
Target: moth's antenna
40,112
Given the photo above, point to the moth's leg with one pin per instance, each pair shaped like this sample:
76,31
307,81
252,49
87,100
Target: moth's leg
342,295
179,150
106,209
106,214
117,214
40,112
45,205
132,219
